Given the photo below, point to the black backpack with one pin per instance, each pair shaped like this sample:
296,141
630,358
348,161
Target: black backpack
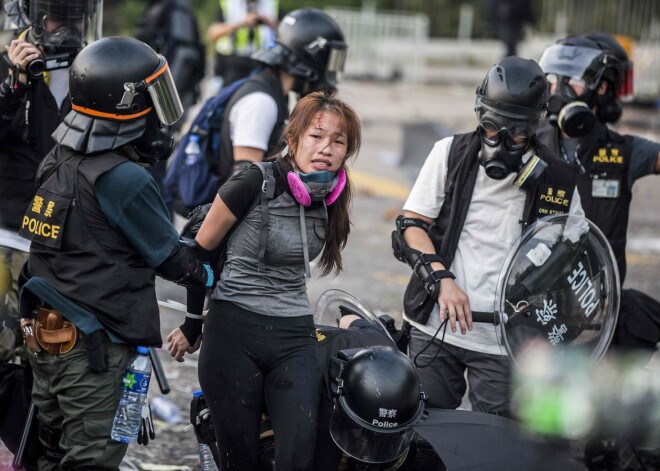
195,181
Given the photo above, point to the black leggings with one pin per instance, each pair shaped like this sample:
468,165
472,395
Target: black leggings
247,358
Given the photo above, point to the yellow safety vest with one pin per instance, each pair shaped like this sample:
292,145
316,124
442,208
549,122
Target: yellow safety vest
240,39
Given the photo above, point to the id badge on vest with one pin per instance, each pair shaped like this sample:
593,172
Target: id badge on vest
44,220
605,188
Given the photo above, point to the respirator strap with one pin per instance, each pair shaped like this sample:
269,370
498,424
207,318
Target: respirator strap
267,193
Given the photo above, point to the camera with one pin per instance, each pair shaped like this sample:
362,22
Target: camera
35,69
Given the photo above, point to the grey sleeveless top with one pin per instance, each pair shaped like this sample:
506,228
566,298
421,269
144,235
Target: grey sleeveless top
279,289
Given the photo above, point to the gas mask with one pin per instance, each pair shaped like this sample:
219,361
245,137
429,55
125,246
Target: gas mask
568,111
59,45
504,143
61,28
156,143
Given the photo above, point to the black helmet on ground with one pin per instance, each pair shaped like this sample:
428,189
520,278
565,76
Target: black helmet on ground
379,400
309,45
510,103
121,93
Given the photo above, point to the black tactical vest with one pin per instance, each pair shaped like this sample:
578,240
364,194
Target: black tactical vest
551,195
81,255
603,184
267,81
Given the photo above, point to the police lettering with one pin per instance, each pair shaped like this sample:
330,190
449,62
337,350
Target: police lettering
587,296
603,158
555,200
608,159
384,424
40,228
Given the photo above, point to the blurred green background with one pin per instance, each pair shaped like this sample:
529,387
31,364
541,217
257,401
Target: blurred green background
121,15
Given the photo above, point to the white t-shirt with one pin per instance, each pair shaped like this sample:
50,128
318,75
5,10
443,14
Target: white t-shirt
59,85
252,119
491,227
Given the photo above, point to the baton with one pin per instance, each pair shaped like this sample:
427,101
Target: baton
17,463
163,384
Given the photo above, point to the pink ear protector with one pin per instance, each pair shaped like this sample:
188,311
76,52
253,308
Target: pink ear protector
305,193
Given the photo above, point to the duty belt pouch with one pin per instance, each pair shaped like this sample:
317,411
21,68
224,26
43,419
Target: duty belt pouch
97,355
54,333
417,302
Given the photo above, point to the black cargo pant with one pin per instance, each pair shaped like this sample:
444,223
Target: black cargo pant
247,358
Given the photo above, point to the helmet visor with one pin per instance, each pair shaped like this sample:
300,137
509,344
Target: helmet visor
164,94
336,62
65,26
580,63
368,445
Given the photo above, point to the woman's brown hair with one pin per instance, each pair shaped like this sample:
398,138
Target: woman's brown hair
339,223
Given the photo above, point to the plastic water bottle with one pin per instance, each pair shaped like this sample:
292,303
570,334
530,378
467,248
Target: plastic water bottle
165,410
202,418
192,150
134,387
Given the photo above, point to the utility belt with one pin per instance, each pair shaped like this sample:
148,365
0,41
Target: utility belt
49,331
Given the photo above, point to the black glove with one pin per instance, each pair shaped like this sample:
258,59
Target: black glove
195,220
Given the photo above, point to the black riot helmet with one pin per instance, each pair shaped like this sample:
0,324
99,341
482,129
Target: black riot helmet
619,77
510,103
379,400
122,92
309,45
582,63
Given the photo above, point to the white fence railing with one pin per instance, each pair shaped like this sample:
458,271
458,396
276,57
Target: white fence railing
383,45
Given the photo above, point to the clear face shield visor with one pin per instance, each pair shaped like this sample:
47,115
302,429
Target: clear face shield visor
65,26
578,63
164,94
368,444
336,62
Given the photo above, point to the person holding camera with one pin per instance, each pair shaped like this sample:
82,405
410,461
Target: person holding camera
34,78
241,28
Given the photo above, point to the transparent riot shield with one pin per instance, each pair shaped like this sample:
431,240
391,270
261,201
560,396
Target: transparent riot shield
559,285
334,303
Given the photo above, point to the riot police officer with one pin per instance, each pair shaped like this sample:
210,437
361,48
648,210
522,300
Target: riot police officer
473,197
34,99
589,74
100,233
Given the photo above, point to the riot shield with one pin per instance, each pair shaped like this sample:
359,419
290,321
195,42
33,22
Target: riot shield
334,303
559,285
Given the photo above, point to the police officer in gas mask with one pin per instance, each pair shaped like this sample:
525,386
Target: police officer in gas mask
590,74
99,234
474,195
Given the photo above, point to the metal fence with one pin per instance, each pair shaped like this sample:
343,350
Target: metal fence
383,45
